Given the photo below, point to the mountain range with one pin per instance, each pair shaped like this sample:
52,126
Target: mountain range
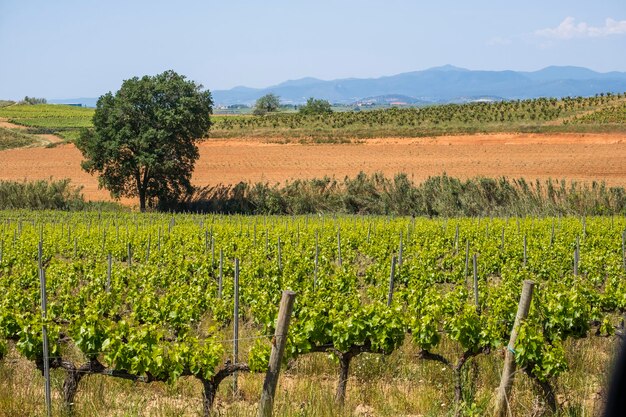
438,85
445,84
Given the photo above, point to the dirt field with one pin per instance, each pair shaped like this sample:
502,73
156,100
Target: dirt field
573,157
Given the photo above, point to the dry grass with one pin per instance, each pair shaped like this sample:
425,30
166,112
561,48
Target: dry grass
396,385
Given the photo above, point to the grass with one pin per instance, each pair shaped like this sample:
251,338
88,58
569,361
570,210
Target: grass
10,138
396,385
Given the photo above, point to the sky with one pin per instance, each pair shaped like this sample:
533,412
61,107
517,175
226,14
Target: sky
85,48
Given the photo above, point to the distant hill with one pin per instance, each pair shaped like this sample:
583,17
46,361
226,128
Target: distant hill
439,85
446,84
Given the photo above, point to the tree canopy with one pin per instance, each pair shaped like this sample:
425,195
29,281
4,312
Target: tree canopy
33,100
267,104
316,106
144,139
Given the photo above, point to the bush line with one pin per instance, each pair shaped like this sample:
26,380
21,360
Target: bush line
437,196
375,194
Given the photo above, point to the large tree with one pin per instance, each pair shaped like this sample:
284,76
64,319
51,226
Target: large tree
316,106
144,139
266,104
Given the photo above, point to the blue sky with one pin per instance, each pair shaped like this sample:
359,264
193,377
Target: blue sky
84,48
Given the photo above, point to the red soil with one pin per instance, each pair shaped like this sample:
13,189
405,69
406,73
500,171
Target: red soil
581,157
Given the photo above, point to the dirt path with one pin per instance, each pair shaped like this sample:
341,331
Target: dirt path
48,139
8,125
43,140
581,157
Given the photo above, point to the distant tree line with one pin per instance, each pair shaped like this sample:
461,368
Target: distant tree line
33,100
270,103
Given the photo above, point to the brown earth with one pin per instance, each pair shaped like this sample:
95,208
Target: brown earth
9,125
43,139
580,157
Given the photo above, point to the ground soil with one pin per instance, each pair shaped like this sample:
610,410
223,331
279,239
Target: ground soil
580,157
43,140
9,125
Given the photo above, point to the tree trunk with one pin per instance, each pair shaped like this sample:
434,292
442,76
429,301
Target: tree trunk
344,363
70,387
548,396
208,396
142,201
458,387
73,377
458,380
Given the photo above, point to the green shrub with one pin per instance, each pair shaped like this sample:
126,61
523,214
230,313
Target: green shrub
437,196
40,195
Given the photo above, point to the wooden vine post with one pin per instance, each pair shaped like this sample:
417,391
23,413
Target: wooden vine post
391,281
279,341
236,324
475,274
624,248
506,382
44,330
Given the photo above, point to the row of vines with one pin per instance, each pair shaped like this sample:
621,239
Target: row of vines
527,111
150,297
67,121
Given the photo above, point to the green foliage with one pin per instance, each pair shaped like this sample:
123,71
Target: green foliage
424,319
259,357
41,195
267,104
53,116
144,139
437,196
543,360
570,114
161,317
536,115
315,106
89,334
14,139
33,100
615,114
65,121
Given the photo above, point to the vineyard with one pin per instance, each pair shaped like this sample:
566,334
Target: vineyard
610,115
65,121
602,112
191,299
543,114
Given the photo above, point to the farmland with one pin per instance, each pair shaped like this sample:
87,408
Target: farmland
229,161
161,311
140,306
64,121
602,113
526,116
532,139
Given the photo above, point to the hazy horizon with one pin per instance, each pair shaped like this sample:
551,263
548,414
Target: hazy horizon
71,49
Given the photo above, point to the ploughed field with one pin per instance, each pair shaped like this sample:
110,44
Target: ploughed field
571,156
